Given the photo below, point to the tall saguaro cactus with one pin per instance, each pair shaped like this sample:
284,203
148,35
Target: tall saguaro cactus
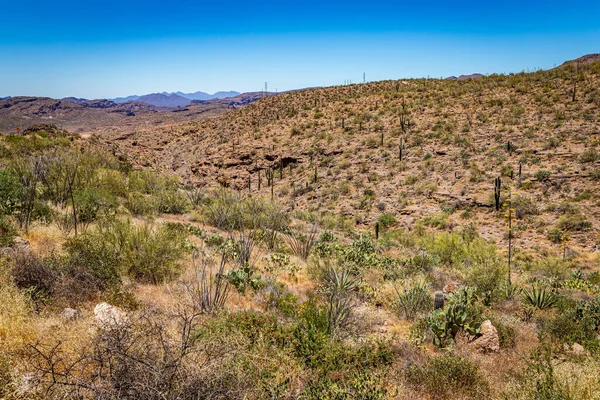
497,188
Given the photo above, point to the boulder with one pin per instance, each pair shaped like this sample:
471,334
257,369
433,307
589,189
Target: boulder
576,349
70,314
20,243
109,317
488,340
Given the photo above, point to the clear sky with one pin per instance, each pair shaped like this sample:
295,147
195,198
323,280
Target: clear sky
109,48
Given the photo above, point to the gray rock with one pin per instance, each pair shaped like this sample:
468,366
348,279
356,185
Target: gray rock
70,314
109,317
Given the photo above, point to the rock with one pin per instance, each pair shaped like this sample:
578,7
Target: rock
20,243
451,287
109,317
577,349
28,384
70,314
488,341
383,329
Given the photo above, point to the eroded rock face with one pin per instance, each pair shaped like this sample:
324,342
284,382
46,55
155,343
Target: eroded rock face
488,341
109,317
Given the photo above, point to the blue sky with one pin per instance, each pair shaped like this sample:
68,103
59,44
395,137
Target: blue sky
116,48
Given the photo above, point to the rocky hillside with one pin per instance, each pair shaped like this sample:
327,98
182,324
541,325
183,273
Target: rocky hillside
92,116
426,151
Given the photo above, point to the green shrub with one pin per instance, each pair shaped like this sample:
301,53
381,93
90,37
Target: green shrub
447,376
524,206
573,222
173,202
92,203
9,192
361,385
140,204
7,232
118,248
386,220
542,175
488,281
589,156
506,332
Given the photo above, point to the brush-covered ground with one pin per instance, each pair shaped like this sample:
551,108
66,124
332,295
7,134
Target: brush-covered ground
321,283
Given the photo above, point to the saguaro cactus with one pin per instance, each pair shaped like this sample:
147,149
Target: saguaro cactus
497,187
438,300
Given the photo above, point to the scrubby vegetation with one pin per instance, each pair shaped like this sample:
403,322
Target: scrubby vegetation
261,290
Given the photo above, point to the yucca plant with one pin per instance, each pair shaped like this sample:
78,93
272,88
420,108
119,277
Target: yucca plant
540,297
339,288
414,299
301,244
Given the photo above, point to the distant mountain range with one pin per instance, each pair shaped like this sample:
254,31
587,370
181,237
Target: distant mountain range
174,99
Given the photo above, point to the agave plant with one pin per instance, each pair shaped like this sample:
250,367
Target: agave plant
540,297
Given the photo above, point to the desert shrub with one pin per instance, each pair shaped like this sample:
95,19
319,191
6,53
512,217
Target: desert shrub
553,268
92,254
7,232
117,248
542,175
145,181
9,191
524,206
556,235
576,321
92,203
506,331
488,281
589,156
140,204
387,220
361,385
31,274
573,222
231,211
172,201
111,181
448,376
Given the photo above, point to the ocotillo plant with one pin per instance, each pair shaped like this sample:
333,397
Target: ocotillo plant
510,219
497,186
401,148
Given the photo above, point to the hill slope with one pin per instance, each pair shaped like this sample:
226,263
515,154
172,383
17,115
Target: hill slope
454,144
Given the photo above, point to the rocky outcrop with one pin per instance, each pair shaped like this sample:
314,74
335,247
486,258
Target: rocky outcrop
488,340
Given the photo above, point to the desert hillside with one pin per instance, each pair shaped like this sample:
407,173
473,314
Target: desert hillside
422,150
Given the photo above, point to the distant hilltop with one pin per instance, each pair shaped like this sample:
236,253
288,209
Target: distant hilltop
174,99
